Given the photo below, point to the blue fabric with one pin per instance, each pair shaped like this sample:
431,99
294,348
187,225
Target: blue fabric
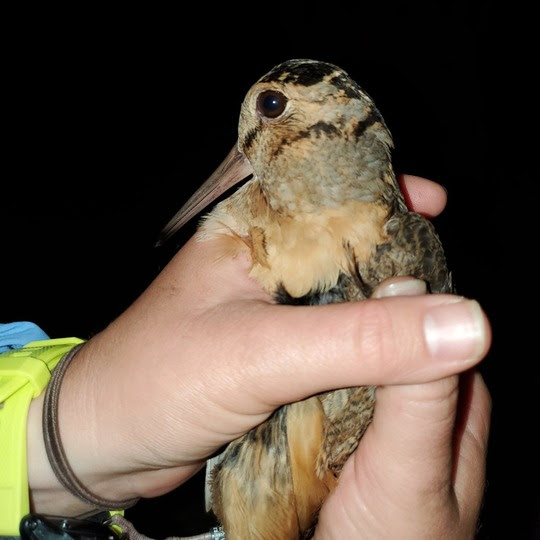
17,334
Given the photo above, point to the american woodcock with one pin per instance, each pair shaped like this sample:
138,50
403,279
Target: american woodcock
324,221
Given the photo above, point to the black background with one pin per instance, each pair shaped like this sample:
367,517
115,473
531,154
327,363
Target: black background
113,118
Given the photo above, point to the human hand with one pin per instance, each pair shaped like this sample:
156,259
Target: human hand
419,470
203,356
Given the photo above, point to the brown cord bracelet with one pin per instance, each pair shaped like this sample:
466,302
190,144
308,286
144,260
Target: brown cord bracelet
53,445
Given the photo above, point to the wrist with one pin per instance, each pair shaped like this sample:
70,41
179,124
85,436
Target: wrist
79,446
100,433
47,495
24,373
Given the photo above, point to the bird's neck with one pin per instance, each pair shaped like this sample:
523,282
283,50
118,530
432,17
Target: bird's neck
326,173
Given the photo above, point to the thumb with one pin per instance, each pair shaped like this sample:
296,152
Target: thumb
405,339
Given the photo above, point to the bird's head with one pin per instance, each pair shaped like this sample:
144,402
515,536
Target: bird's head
309,134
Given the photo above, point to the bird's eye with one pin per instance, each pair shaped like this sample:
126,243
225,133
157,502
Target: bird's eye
271,103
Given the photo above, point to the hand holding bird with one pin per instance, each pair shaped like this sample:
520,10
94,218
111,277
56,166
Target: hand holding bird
210,356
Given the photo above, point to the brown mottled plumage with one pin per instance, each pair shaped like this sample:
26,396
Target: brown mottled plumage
324,221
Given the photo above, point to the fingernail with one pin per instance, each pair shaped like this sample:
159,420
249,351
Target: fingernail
401,286
456,331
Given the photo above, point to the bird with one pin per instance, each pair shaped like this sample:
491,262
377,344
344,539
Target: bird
324,221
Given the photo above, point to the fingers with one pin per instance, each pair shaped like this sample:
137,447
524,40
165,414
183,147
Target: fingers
422,195
471,443
388,341
413,425
410,450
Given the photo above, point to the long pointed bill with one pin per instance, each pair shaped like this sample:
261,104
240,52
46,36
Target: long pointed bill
235,167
